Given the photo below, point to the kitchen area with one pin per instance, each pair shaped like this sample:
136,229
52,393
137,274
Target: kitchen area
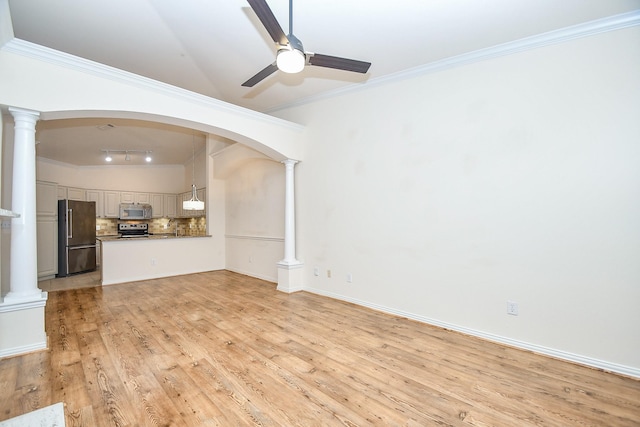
97,237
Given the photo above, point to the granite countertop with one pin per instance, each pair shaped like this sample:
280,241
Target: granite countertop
157,236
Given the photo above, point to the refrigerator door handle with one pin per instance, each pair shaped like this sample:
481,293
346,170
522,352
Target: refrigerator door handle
72,248
70,224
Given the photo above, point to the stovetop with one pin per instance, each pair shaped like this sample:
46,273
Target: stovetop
133,230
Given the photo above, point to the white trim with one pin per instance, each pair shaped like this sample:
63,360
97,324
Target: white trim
248,237
559,354
269,279
562,35
9,214
27,304
15,351
32,50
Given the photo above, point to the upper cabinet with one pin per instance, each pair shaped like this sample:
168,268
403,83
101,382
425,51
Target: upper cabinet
108,202
111,204
131,197
76,194
170,205
142,198
157,205
98,197
46,198
72,193
127,197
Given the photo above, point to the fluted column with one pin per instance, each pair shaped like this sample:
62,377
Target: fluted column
289,269
24,264
289,215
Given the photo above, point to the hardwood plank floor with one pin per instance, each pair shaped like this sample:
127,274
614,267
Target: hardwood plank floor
224,349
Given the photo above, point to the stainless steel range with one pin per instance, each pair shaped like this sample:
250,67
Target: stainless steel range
133,230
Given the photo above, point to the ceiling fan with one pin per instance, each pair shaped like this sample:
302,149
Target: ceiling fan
291,56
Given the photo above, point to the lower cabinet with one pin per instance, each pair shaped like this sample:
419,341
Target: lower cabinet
47,238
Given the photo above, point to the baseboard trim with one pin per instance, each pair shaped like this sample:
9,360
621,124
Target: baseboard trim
20,350
546,351
257,276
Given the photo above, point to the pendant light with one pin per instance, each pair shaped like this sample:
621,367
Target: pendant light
194,204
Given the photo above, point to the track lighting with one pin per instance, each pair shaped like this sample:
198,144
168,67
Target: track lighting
127,154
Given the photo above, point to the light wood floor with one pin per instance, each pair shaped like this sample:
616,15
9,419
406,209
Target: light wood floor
223,349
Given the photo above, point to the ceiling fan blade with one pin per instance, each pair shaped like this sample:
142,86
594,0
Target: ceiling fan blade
266,72
269,21
339,63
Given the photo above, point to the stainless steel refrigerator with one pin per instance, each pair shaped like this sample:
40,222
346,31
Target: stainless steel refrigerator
76,237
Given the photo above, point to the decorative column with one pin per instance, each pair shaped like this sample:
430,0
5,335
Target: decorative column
24,264
22,324
289,269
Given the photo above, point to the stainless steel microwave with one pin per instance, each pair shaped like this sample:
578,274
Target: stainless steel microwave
135,211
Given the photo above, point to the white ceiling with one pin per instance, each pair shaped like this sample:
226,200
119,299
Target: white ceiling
212,47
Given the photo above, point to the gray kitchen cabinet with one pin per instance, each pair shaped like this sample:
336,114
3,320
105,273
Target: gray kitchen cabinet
111,204
47,249
133,197
171,205
46,198
142,198
157,205
62,192
76,194
127,197
98,197
47,229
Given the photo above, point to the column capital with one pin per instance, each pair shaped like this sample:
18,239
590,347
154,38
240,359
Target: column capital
24,114
289,162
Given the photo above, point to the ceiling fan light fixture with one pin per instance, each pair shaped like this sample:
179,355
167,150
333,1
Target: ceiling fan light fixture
290,60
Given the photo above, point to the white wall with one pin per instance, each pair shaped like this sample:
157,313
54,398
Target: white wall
152,179
255,218
514,178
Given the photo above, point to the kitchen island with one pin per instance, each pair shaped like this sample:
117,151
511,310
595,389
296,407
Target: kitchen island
160,255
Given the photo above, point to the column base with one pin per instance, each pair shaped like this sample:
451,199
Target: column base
22,325
290,276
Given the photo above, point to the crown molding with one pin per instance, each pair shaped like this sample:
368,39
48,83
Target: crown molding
55,57
612,23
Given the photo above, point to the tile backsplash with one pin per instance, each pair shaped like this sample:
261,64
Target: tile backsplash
185,226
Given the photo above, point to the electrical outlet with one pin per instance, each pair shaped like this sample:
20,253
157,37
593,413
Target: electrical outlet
316,271
154,261
329,274
349,278
512,308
